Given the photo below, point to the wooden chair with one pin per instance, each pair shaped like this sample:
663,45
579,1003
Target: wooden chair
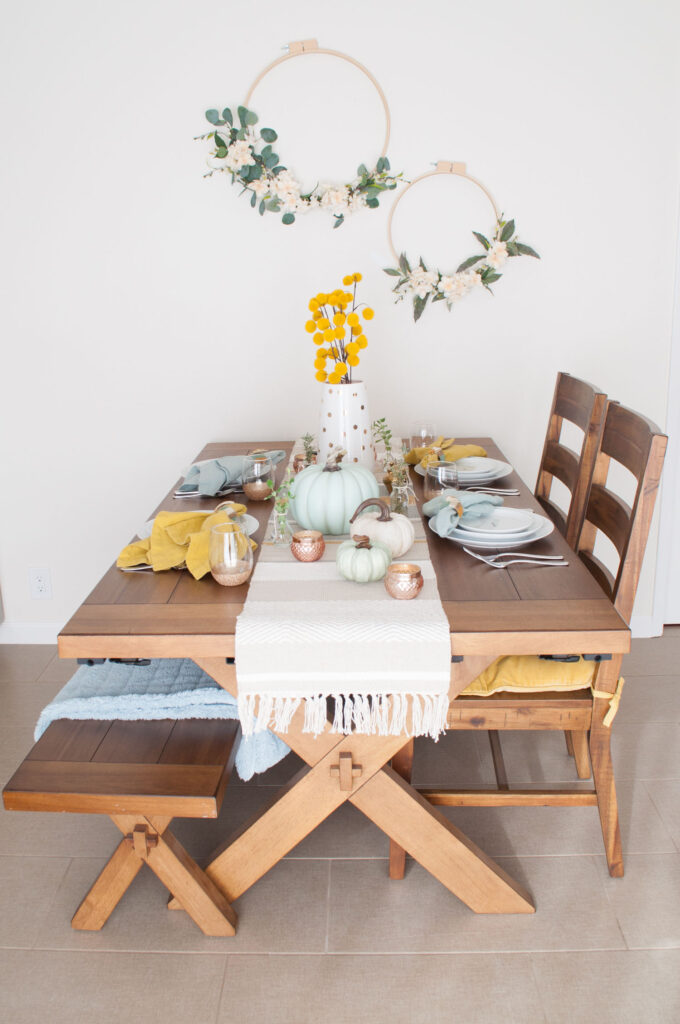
585,714
142,774
584,405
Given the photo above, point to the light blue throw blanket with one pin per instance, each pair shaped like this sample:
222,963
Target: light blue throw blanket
444,514
167,688
213,475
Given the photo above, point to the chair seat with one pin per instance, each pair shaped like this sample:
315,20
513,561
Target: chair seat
520,673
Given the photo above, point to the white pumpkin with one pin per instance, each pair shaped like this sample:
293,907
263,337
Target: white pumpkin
324,497
362,560
393,529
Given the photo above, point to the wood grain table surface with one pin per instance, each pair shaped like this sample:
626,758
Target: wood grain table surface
518,610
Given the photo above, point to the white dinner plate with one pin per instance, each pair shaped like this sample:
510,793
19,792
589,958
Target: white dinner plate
544,527
468,478
502,521
251,525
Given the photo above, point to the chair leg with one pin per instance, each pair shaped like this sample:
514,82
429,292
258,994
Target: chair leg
403,765
603,776
569,740
579,742
498,762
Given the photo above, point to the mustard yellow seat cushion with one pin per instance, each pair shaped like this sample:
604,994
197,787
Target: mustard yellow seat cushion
517,673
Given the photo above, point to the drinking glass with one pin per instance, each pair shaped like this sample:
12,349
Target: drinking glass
439,477
423,433
230,555
258,477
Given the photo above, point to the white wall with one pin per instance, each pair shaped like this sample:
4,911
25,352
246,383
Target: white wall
146,310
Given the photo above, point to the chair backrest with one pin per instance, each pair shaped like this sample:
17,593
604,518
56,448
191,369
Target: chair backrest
636,443
584,405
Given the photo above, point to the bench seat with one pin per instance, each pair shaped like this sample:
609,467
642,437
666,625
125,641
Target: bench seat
142,774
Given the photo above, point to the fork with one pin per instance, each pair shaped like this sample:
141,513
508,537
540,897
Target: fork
538,561
491,490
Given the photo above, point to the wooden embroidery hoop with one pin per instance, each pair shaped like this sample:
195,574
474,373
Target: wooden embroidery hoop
303,46
442,167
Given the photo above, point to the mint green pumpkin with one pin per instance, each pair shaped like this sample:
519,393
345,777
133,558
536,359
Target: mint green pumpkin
324,497
363,561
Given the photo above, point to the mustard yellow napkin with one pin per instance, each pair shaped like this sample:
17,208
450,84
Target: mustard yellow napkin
442,450
178,539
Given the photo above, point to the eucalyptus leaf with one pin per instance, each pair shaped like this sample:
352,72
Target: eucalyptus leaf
220,152
273,205
362,171
490,278
339,219
220,140
251,117
392,271
227,115
372,203
380,166
213,116
253,200
241,134
266,151
278,169
526,250
242,111
468,263
439,297
508,231
288,218
262,207
404,264
512,249
268,134
255,172
386,163
419,306
480,238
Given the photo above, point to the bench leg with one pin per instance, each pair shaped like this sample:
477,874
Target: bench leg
148,840
402,762
105,894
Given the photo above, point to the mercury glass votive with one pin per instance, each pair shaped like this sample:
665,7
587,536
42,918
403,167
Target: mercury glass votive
403,580
308,545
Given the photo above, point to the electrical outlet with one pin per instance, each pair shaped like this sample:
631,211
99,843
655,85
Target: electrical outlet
40,584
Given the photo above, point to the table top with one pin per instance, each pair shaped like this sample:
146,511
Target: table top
521,610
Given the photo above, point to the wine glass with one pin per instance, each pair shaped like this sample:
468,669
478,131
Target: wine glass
258,476
230,555
439,477
423,433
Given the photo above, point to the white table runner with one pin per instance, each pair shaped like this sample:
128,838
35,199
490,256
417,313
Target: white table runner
307,634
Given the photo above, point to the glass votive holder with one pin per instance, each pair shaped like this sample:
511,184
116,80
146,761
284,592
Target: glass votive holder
401,498
403,581
258,477
230,555
440,476
308,545
301,461
423,433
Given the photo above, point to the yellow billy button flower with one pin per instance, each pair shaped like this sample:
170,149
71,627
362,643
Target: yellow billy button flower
328,335
319,364
324,324
339,333
356,277
334,378
362,341
310,327
318,338
321,375
348,296
356,329
351,348
339,319
353,360
321,298
368,313
313,305
341,368
352,319
347,280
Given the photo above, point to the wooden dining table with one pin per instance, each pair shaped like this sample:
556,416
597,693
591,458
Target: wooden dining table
492,612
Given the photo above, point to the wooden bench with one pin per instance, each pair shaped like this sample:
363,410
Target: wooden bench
142,774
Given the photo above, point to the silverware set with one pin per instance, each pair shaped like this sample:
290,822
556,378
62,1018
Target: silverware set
502,559
490,490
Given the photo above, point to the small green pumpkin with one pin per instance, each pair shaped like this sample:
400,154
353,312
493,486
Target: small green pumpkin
362,560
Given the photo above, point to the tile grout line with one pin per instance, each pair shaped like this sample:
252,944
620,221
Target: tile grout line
328,904
221,995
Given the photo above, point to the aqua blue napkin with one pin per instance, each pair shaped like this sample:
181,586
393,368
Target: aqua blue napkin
213,476
444,511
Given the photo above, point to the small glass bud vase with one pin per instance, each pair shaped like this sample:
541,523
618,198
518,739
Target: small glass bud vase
280,531
401,497
441,476
258,477
230,555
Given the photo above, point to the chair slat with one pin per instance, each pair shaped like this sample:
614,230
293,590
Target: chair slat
610,514
562,462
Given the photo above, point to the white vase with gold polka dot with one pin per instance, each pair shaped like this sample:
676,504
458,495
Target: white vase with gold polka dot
345,422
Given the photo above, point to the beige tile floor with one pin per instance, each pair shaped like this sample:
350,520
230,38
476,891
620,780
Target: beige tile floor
326,937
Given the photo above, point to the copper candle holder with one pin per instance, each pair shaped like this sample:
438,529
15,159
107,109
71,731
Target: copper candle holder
308,545
403,581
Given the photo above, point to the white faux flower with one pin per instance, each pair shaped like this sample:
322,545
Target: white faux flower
239,155
422,282
260,187
497,255
287,189
335,199
357,202
455,286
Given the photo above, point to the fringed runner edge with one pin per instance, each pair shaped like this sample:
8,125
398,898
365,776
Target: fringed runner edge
369,714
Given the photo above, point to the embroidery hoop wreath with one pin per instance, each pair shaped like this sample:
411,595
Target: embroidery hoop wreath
246,154
482,269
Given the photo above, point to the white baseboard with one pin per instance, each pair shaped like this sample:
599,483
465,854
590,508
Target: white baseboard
29,632
646,626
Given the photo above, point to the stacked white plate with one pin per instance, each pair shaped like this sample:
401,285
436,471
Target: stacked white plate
477,469
504,527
